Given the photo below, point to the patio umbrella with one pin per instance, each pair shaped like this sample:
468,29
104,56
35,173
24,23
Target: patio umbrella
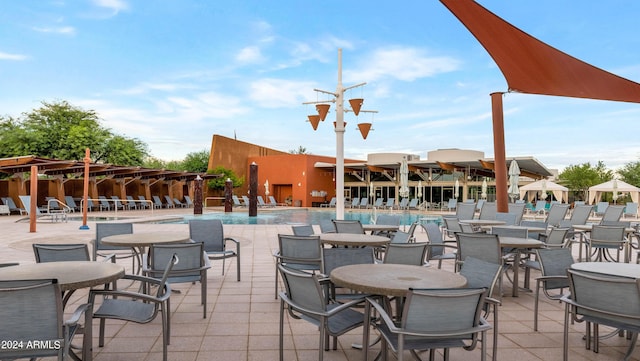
456,192
543,191
419,190
514,174
615,191
483,189
266,187
372,191
404,179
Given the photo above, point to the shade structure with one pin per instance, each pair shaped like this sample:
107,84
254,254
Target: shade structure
514,175
323,109
595,192
266,187
483,189
530,190
404,178
356,104
314,120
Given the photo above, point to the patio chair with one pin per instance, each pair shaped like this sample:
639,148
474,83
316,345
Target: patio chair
302,253
482,246
481,274
364,202
102,250
355,203
451,226
140,307
169,202
157,202
26,203
274,203
188,202
60,252
604,239
428,321
579,215
104,203
131,203
612,214
145,204
436,248
211,233
261,202
602,300
304,298
451,205
488,211
631,210
71,203
178,203
333,258
303,230
387,219
192,266
509,219
391,203
413,203
331,204
246,201
117,204
541,207
518,210
12,206
404,203
406,253
327,226
553,265
32,311
348,226
600,209
378,203
236,201
480,204
465,210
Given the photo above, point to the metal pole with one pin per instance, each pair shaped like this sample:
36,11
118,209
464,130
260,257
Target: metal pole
500,168
85,192
339,142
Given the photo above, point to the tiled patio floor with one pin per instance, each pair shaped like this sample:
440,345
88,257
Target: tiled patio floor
242,320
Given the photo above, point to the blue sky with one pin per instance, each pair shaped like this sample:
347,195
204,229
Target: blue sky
174,72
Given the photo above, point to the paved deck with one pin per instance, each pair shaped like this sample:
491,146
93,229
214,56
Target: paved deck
242,320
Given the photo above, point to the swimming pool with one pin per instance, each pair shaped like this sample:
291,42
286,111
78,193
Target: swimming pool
297,216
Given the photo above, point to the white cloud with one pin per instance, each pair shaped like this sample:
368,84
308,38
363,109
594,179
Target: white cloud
114,5
65,30
406,64
7,56
277,93
249,55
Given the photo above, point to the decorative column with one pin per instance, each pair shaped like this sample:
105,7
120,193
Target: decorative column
253,190
228,195
197,195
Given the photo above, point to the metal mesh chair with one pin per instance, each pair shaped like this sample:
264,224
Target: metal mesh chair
348,226
299,253
436,248
211,233
553,265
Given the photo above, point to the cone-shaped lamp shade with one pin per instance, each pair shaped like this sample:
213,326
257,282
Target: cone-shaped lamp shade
314,120
356,104
364,129
323,109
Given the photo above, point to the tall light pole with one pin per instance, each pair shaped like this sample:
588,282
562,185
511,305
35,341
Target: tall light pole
339,129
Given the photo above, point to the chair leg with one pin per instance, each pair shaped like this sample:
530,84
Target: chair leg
238,263
632,346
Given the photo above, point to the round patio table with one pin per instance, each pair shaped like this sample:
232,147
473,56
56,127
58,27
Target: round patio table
518,244
609,268
380,227
353,239
139,241
393,279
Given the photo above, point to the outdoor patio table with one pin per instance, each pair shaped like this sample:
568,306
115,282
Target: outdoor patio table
582,229
630,270
482,222
518,244
353,239
380,227
71,275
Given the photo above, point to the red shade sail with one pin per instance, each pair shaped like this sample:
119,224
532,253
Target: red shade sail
531,66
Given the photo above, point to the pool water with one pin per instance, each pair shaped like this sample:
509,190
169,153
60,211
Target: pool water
298,216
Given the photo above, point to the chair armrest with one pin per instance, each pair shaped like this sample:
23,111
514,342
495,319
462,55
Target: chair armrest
232,240
75,317
110,258
383,313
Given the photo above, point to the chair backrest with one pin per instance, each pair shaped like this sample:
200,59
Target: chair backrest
31,310
555,262
612,214
557,237
517,209
488,210
601,207
400,237
612,300
509,219
300,249
236,200
348,226
116,201
261,201
452,224
409,253
104,201
557,213
109,229
480,204
482,246
272,201
156,201
378,202
404,202
435,238
60,252
191,259
246,200
208,231
580,214
541,206
481,274
631,209
364,202
388,219
303,289
355,202
607,233
413,203
169,201
510,232
465,210
188,200
443,310
26,203
327,226
303,230
51,203
340,256
332,202
71,203
391,202
452,203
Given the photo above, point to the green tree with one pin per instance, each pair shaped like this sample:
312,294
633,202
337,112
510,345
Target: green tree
300,150
197,162
578,178
155,163
62,131
218,183
630,173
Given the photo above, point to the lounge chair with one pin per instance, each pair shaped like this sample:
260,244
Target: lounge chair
364,202
71,203
116,203
177,202
331,204
391,202
104,203
145,204
236,201
188,201
273,203
169,203
355,203
378,203
157,203
246,201
12,206
404,203
261,202
413,204
131,203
